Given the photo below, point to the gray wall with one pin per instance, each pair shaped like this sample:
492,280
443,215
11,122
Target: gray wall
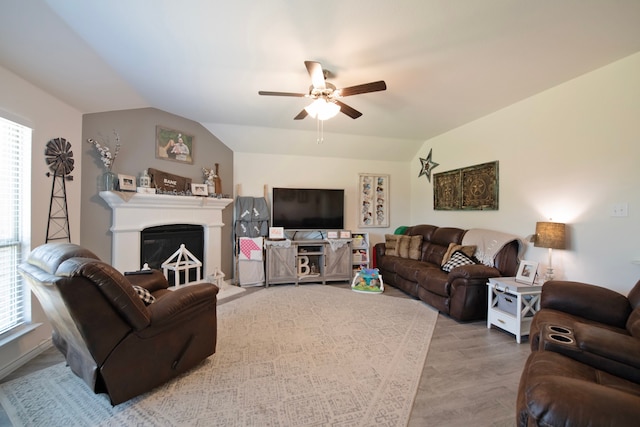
137,130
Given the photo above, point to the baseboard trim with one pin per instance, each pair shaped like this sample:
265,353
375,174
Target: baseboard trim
25,358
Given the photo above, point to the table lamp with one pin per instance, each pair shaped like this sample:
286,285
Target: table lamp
550,235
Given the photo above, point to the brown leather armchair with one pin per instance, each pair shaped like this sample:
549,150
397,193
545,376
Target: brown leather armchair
584,368
110,338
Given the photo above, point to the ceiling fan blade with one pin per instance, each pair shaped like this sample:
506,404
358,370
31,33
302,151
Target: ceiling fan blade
301,115
265,92
317,75
364,88
349,111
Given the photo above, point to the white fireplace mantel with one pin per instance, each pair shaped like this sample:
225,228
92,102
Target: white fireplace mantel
133,212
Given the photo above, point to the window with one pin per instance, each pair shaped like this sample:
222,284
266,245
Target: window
15,214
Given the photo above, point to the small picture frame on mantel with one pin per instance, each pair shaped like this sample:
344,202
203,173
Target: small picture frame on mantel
333,234
199,190
527,272
126,182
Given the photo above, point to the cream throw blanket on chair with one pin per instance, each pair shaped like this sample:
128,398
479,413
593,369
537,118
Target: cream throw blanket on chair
489,243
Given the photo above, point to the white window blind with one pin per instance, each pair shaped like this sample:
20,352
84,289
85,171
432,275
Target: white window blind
15,141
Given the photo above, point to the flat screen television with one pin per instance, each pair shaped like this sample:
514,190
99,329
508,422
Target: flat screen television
307,209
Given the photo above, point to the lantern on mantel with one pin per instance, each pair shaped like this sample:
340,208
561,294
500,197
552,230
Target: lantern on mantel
145,179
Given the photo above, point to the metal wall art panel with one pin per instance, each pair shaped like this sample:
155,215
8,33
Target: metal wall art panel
470,188
447,190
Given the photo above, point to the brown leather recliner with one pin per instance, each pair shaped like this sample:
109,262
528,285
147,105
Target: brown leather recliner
584,368
110,338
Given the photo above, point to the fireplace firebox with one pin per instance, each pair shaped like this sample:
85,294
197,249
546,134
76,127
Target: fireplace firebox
159,243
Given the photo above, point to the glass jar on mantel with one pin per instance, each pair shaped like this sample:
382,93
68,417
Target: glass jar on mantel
109,181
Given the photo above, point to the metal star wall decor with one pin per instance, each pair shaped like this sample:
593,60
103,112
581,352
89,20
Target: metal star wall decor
427,166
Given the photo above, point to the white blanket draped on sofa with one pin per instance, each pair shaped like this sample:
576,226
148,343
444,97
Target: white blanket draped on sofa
489,243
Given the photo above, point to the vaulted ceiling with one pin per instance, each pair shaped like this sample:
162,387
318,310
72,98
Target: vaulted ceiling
445,62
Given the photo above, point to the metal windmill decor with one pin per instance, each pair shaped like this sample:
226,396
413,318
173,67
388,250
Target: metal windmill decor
59,158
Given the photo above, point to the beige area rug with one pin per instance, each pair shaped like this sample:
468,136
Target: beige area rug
311,355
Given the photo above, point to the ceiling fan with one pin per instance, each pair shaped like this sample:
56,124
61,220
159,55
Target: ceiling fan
325,95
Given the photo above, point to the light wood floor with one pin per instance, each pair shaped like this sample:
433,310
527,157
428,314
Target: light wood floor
470,377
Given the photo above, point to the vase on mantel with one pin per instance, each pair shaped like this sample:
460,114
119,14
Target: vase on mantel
109,181
217,182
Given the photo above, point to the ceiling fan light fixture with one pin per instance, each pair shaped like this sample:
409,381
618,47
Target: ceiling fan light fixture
322,109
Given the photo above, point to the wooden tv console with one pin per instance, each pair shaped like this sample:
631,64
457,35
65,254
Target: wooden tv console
308,261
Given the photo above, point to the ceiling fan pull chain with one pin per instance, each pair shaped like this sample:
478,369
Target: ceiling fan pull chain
320,129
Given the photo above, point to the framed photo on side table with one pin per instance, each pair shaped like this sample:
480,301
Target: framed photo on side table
527,272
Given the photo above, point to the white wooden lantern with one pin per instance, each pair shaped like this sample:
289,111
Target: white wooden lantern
181,261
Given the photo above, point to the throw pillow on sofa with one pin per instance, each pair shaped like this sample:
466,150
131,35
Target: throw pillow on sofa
415,247
391,244
406,246
468,250
403,246
457,259
144,295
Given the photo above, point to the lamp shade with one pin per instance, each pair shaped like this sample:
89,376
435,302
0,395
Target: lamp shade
550,235
322,109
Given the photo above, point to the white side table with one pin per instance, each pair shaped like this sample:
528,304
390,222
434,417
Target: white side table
511,305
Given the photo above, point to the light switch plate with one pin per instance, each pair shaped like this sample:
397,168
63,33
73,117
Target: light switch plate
620,209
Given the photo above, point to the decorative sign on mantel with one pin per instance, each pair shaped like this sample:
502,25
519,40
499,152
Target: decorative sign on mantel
166,181
470,188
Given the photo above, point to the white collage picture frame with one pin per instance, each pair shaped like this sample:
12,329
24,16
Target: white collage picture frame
373,207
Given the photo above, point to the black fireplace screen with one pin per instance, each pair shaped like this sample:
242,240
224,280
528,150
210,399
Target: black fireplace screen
157,244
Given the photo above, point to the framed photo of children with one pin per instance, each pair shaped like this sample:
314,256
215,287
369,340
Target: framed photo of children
373,206
174,145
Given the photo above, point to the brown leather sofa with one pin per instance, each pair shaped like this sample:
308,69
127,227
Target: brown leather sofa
110,338
461,293
584,369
